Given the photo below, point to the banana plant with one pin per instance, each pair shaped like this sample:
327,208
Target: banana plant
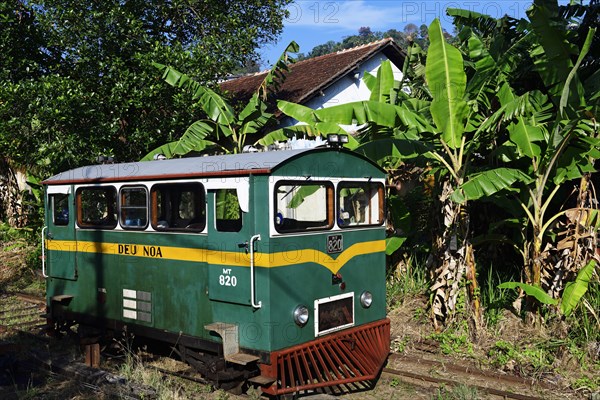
451,261
466,128
222,128
555,151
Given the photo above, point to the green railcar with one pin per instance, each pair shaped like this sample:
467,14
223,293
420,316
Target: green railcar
268,267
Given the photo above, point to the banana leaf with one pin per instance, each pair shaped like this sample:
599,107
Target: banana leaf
575,290
215,107
530,290
525,136
393,243
381,150
564,98
487,183
447,81
192,140
384,83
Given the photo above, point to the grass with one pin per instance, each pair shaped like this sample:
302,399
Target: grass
407,279
452,343
134,369
458,392
527,360
164,387
584,323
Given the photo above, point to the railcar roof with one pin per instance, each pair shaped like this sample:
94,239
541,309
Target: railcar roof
206,166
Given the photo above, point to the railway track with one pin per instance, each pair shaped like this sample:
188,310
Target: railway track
22,313
418,369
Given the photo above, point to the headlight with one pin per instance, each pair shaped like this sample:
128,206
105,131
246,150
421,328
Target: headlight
366,298
301,315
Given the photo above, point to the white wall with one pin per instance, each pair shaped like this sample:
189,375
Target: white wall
348,88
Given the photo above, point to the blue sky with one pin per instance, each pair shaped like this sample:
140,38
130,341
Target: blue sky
312,22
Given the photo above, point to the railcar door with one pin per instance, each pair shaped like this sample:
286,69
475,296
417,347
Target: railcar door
61,242
230,229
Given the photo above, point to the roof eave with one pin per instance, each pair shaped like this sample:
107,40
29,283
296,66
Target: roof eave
388,44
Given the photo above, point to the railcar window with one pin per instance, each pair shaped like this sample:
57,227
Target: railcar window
360,204
228,215
302,206
60,209
134,208
97,207
178,207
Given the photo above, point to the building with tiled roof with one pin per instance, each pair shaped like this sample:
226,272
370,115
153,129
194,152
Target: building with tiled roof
327,80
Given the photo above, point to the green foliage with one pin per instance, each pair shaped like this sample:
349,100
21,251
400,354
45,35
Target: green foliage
447,81
575,290
401,221
276,74
458,392
227,205
584,322
529,360
395,382
222,127
8,233
408,279
488,183
493,300
453,343
586,383
77,81
393,243
534,291
572,293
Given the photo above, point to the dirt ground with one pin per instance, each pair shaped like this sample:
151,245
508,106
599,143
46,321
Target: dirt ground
415,347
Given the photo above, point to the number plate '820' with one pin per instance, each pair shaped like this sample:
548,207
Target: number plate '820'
335,244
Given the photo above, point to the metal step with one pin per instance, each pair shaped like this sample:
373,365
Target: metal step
262,380
231,345
241,358
62,298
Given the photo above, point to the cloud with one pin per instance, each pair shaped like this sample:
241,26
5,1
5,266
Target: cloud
343,15
383,14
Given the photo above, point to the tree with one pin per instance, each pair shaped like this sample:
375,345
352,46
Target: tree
365,32
410,29
411,34
20,40
94,90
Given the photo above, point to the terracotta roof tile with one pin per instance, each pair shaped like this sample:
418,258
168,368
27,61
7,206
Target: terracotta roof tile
308,77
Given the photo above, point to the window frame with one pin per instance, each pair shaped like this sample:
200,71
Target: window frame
153,205
345,184
79,211
329,199
217,221
121,208
52,198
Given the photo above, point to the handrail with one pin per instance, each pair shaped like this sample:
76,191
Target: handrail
44,252
252,289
